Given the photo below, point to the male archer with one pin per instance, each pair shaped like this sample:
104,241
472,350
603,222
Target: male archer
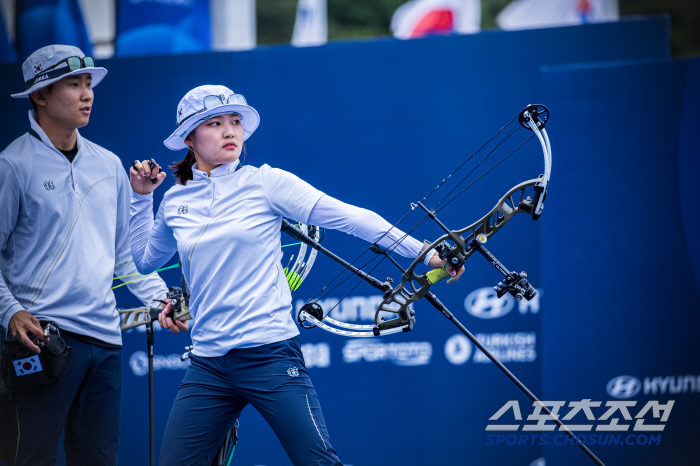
64,224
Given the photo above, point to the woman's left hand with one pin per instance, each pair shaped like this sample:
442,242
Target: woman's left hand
436,263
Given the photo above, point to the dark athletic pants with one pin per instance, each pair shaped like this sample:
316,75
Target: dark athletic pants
87,401
273,379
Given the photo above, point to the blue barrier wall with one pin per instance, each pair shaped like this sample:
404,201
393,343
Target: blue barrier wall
379,124
622,296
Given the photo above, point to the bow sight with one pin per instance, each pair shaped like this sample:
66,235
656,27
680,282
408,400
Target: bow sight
515,283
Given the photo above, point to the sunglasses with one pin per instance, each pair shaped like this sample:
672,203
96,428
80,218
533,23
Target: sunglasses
213,101
75,63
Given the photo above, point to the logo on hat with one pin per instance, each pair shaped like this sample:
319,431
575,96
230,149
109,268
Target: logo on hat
37,68
179,113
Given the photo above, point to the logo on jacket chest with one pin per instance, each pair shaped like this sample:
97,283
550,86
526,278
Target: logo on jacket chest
49,186
182,210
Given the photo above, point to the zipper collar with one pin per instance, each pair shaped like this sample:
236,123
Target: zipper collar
221,170
39,133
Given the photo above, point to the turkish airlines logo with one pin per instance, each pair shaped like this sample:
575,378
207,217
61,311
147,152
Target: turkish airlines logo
484,304
623,387
458,349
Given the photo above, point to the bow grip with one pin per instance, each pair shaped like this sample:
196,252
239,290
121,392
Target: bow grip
437,275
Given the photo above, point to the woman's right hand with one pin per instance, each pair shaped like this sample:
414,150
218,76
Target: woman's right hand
141,176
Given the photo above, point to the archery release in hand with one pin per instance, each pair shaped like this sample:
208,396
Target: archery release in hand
145,176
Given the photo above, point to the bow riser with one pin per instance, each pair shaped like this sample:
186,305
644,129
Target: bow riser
135,317
487,226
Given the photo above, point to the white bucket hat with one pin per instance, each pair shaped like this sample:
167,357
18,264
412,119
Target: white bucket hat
204,102
50,64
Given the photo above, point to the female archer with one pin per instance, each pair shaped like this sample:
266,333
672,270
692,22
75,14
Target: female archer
224,221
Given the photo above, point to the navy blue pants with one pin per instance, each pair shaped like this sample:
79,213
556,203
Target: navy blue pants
86,402
273,379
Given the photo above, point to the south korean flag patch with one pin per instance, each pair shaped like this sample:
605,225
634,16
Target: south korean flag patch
26,366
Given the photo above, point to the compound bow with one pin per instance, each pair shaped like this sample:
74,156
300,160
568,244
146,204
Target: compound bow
413,286
526,197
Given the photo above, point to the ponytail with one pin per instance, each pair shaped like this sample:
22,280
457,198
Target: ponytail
183,169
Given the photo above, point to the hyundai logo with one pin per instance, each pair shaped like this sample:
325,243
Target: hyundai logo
484,304
623,387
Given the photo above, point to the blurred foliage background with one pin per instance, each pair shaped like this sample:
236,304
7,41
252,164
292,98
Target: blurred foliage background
358,19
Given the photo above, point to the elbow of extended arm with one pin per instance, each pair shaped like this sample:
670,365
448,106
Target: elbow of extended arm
141,265
142,269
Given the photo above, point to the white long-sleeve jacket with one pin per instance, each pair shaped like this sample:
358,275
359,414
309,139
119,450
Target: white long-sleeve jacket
226,229
63,227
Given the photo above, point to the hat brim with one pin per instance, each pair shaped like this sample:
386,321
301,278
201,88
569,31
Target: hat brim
98,74
250,119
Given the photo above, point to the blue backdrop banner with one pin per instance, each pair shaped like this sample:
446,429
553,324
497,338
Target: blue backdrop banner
617,262
165,27
7,50
45,22
379,124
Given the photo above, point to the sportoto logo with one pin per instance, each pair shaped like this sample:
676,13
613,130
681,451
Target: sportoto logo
623,387
405,353
484,304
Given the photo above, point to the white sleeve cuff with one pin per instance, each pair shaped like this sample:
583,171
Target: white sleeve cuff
141,197
426,259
